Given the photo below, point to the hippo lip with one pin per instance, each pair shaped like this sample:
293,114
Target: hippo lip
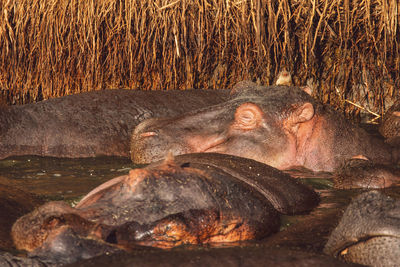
343,249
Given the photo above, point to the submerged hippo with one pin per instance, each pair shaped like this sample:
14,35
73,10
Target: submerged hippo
369,231
192,199
282,126
13,204
390,126
93,123
363,173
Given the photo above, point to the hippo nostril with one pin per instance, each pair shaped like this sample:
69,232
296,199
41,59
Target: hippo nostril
112,237
148,134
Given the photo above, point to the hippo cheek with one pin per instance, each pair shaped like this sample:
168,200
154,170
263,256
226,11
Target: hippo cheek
255,135
206,143
274,153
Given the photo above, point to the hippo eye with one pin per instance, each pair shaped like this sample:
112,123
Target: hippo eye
185,165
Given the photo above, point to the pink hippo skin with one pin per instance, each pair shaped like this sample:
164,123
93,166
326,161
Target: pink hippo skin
282,126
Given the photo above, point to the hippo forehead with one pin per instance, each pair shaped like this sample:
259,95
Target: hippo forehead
278,101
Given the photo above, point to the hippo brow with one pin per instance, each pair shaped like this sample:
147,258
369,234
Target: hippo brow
272,105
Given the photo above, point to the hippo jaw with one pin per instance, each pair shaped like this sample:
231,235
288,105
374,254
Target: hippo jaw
241,129
383,246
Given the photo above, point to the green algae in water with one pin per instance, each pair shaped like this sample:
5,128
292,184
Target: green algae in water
7,163
318,183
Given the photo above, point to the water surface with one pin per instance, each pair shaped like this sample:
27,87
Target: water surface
61,178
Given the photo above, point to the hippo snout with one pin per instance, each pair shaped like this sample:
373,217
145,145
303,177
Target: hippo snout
148,143
140,144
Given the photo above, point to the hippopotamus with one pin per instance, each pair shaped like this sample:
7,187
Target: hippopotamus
92,123
190,199
369,231
14,203
390,126
282,126
364,173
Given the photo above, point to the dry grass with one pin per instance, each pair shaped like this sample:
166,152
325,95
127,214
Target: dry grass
50,48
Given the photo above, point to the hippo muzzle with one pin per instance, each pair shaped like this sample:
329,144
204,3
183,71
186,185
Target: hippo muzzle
369,231
203,131
150,143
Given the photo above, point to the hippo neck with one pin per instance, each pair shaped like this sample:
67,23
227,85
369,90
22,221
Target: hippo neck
313,148
327,140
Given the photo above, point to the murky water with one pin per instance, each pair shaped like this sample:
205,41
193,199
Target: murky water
61,179
70,179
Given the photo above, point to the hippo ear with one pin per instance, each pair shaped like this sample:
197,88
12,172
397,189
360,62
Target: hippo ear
248,116
303,113
307,89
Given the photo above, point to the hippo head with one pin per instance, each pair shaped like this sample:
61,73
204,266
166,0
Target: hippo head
260,123
369,231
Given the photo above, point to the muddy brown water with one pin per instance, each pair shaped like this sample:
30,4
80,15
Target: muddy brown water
61,179
70,179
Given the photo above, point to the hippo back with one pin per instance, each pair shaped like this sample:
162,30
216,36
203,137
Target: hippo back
287,195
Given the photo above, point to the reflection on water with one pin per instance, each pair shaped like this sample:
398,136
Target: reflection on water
61,179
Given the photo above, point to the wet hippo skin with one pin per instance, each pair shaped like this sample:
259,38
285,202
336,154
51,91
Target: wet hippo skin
281,126
369,231
192,199
93,123
390,126
363,173
13,204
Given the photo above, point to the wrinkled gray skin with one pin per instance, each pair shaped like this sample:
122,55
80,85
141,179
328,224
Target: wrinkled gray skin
369,231
390,126
93,123
364,173
278,125
14,203
203,194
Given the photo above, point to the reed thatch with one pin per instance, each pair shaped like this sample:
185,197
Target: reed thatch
50,48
